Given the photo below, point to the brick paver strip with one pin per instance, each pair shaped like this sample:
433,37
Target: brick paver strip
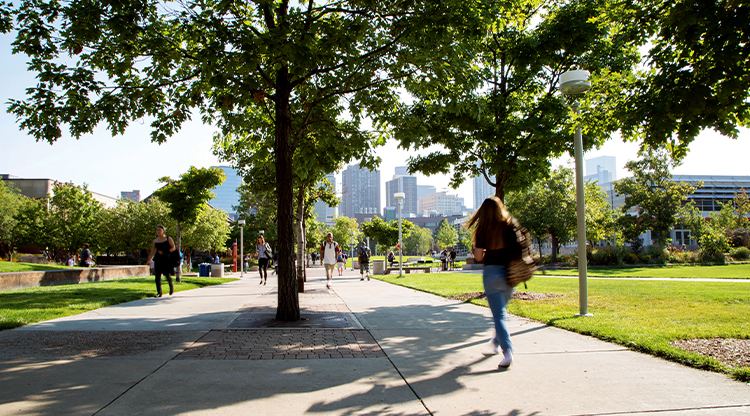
286,344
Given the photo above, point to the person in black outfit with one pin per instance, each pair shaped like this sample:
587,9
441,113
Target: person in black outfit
85,256
162,246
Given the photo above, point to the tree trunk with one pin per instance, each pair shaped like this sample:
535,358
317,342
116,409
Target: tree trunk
288,298
554,248
300,239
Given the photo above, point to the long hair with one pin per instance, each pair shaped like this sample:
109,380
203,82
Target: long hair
262,240
490,221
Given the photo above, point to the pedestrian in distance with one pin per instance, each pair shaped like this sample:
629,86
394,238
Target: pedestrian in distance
246,262
493,235
329,251
391,258
264,254
452,258
364,261
444,259
160,249
340,263
85,256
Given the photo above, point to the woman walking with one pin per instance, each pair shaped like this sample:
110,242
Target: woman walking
492,236
160,249
263,254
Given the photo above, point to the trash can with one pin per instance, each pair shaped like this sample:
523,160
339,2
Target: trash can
204,270
378,267
217,270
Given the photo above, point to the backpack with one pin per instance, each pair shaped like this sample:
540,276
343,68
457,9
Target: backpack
364,255
522,265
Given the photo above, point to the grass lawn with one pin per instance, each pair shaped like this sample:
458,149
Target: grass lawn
729,271
6,266
25,306
641,315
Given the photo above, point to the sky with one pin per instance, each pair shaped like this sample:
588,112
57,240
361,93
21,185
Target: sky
110,165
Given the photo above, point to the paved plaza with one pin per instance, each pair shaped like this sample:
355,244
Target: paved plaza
362,348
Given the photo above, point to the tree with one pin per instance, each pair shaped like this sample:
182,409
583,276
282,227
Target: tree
345,230
73,217
501,116
386,233
600,221
548,208
187,196
11,202
419,241
697,70
209,232
445,235
129,226
655,196
234,62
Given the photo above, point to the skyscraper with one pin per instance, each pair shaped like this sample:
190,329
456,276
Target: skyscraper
406,184
323,212
602,169
424,190
482,190
360,191
226,195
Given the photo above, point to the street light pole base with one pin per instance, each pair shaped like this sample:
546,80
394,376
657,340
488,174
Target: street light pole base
583,314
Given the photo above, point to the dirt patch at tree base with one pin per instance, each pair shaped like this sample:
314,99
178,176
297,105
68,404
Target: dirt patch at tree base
732,352
465,297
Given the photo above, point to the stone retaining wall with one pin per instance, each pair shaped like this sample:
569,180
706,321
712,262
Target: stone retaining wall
19,280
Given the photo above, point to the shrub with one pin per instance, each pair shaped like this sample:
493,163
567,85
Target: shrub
644,258
741,253
658,253
714,241
600,257
739,237
716,258
631,258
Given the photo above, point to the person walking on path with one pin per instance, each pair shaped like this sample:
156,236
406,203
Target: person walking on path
329,251
263,254
340,263
364,261
452,258
492,236
85,256
160,249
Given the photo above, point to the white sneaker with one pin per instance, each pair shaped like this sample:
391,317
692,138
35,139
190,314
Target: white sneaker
492,348
328,284
507,360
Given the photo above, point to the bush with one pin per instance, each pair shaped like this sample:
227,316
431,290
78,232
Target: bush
600,257
644,258
714,241
631,258
716,258
741,253
739,237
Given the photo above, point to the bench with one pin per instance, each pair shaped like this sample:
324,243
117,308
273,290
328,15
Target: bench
388,270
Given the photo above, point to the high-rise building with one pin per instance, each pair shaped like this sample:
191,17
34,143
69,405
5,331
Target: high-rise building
439,202
482,191
360,191
134,196
323,212
424,190
402,170
407,185
602,169
226,195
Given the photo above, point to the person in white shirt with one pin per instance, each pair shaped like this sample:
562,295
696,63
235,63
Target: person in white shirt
329,251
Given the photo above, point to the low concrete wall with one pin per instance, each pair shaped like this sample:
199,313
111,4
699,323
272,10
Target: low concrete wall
19,280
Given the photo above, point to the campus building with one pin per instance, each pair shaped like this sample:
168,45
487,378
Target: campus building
134,196
406,184
324,213
360,191
482,191
226,195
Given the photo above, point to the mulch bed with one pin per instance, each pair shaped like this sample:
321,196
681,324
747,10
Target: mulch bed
465,297
732,352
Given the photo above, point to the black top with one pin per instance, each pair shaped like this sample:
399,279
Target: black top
501,256
162,251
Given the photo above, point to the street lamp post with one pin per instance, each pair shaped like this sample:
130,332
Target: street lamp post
351,247
242,246
399,196
572,83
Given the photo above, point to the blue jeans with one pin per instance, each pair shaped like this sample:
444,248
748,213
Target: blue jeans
498,295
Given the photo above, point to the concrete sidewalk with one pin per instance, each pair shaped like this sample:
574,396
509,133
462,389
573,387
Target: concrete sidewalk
365,348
